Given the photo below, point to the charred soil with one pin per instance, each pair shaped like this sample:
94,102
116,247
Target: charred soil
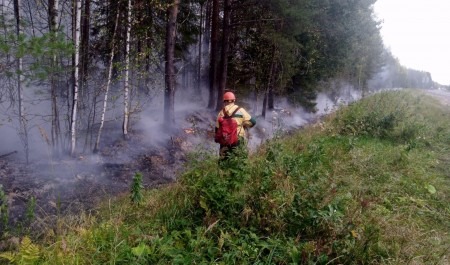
38,192
48,188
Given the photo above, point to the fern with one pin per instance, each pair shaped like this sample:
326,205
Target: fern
9,256
28,253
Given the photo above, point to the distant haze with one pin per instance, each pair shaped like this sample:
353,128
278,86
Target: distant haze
418,33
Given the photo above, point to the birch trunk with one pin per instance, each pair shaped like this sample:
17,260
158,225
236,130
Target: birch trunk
108,83
126,112
23,130
169,93
56,129
76,78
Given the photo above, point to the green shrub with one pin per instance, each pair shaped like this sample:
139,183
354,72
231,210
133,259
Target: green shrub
368,187
136,189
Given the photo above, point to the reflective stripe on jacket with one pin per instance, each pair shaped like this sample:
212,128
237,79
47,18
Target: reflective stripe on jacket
243,119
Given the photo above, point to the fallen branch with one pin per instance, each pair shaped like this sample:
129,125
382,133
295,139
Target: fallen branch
8,154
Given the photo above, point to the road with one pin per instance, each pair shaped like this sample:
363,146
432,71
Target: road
442,95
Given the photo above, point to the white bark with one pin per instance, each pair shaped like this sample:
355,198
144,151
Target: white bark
23,132
76,78
108,84
126,112
56,17
56,133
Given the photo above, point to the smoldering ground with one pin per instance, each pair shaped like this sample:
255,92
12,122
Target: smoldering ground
61,184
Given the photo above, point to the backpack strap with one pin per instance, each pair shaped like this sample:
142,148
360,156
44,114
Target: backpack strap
225,113
232,114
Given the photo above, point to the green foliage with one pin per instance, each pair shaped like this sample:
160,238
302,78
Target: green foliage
27,254
136,189
386,116
325,195
4,209
290,46
38,50
31,207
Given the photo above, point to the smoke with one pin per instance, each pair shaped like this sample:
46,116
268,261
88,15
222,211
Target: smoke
148,118
285,117
36,113
151,148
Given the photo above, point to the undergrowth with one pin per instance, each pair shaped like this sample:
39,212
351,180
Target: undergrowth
369,185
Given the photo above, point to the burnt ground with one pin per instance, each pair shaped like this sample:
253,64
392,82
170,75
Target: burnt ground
53,188
71,185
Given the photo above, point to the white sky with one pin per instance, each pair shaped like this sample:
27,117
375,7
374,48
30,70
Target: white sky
418,33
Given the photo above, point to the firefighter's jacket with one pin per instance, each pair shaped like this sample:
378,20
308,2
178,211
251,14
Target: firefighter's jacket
243,119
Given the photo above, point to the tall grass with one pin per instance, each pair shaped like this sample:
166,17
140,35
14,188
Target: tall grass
368,185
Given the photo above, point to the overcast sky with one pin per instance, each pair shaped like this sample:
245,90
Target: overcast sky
418,34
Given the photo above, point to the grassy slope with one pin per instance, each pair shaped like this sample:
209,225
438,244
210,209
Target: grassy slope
370,185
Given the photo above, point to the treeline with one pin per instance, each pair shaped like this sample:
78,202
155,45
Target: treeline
393,75
84,57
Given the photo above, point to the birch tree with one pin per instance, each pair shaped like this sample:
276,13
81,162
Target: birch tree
53,28
23,130
108,83
169,93
76,78
126,111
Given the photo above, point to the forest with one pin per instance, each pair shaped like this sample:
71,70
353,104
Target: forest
105,107
70,69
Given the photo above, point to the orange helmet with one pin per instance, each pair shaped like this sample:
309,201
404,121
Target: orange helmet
229,96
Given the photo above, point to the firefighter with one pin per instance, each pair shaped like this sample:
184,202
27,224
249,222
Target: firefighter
235,121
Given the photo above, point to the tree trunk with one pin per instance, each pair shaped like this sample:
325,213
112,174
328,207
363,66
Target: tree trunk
169,93
84,73
108,83
224,56
200,42
53,29
86,113
207,29
268,96
213,53
270,103
31,19
264,105
23,130
126,111
270,99
76,77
